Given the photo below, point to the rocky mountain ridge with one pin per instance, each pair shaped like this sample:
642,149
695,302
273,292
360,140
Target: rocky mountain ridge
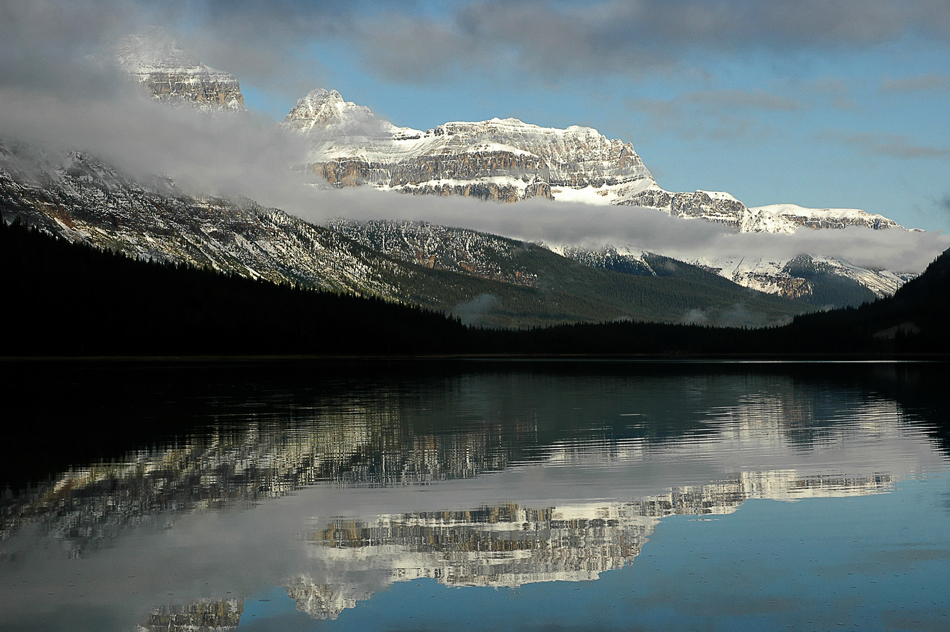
79,198
506,160
509,160
500,159
818,281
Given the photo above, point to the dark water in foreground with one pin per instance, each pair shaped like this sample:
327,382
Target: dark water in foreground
482,496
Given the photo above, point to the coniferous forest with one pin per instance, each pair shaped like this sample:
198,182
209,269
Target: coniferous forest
65,300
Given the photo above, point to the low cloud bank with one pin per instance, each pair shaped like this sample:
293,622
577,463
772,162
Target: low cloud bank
560,223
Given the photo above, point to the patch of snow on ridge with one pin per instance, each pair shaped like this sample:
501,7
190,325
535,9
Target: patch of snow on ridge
587,195
881,282
798,216
449,182
719,195
496,147
783,209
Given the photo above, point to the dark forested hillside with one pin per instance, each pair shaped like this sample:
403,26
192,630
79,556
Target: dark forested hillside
64,299
914,320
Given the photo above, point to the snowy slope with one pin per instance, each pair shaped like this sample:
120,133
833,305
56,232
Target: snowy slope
786,218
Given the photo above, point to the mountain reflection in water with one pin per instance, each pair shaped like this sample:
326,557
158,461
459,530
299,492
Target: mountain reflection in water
337,489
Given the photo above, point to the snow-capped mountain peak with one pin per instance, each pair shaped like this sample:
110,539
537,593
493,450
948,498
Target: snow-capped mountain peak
174,74
496,159
323,108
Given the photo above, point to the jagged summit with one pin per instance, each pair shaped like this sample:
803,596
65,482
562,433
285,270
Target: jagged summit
322,108
174,74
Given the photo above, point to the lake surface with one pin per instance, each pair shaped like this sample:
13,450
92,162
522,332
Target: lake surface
476,496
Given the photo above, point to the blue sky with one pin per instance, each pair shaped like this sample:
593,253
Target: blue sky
816,102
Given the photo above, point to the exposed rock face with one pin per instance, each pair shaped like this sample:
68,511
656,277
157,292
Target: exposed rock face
502,159
174,75
717,207
723,208
443,248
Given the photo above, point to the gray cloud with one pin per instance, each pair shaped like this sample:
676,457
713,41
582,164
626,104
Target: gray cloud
732,316
268,44
53,47
715,114
417,50
552,39
752,99
226,155
562,223
922,83
884,144
835,91
61,90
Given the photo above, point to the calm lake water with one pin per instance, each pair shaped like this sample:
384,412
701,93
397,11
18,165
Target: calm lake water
476,496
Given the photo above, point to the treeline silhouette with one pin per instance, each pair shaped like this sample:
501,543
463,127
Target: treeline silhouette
68,299
64,299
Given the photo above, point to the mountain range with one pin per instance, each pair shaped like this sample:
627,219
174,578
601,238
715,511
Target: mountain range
510,161
482,278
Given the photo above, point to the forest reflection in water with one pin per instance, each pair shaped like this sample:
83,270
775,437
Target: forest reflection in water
342,488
